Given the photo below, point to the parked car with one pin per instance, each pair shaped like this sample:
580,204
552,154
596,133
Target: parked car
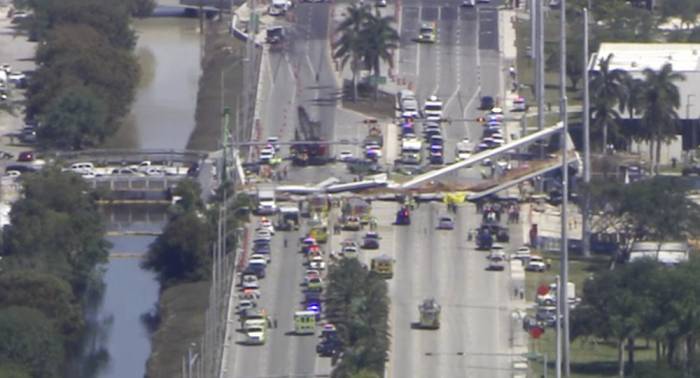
536,264
487,103
26,156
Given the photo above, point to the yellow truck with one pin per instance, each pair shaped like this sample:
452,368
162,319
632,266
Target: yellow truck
305,323
429,314
383,265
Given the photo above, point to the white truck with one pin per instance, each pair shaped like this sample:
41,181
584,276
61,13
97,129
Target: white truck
464,150
279,7
266,200
148,168
432,109
411,151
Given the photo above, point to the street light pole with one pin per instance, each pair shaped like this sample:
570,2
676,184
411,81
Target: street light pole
692,125
585,213
563,299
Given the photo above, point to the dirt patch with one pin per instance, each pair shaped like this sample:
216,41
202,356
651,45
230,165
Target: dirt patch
222,75
380,107
182,309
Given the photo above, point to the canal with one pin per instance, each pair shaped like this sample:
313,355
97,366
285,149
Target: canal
118,344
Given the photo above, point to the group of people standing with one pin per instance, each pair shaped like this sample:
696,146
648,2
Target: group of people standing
492,211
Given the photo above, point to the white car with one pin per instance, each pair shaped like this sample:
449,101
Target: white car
263,234
255,335
155,171
519,104
350,251
536,264
274,141
267,154
468,3
497,264
432,109
344,156
522,253
374,152
266,224
258,259
317,263
246,304
250,282
12,173
311,273
264,256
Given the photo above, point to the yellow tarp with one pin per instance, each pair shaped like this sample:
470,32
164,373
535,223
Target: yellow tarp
455,198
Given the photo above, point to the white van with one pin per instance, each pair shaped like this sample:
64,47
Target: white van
85,168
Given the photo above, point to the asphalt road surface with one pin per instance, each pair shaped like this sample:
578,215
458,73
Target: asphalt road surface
473,339
460,67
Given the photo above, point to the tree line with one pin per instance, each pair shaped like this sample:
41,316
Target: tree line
50,252
644,300
657,209
87,73
357,303
183,251
364,41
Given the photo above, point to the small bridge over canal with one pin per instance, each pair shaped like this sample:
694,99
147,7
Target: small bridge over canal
174,166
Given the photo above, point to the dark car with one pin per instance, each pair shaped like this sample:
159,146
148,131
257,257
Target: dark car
371,241
257,269
26,156
436,158
263,248
691,170
499,232
328,347
21,168
487,103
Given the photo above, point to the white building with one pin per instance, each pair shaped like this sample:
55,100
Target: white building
683,57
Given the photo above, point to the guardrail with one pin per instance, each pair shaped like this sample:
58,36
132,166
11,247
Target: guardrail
122,156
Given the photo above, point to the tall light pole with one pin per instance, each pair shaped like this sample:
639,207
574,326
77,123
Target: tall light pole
692,125
585,212
539,64
563,298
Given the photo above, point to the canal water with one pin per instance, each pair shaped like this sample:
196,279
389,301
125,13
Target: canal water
118,345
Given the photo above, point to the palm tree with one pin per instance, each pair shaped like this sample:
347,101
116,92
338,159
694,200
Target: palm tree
381,39
608,88
632,105
660,99
349,46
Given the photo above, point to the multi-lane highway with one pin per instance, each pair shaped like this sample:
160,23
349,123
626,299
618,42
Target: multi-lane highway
460,67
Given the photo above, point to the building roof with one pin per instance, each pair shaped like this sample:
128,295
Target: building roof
668,253
635,57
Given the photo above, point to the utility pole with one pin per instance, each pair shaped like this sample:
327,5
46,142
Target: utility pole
557,368
564,299
539,63
533,29
585,212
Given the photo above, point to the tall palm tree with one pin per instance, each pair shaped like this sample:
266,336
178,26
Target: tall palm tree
604,117
632,105
608,88
660,100
349,46
381,40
